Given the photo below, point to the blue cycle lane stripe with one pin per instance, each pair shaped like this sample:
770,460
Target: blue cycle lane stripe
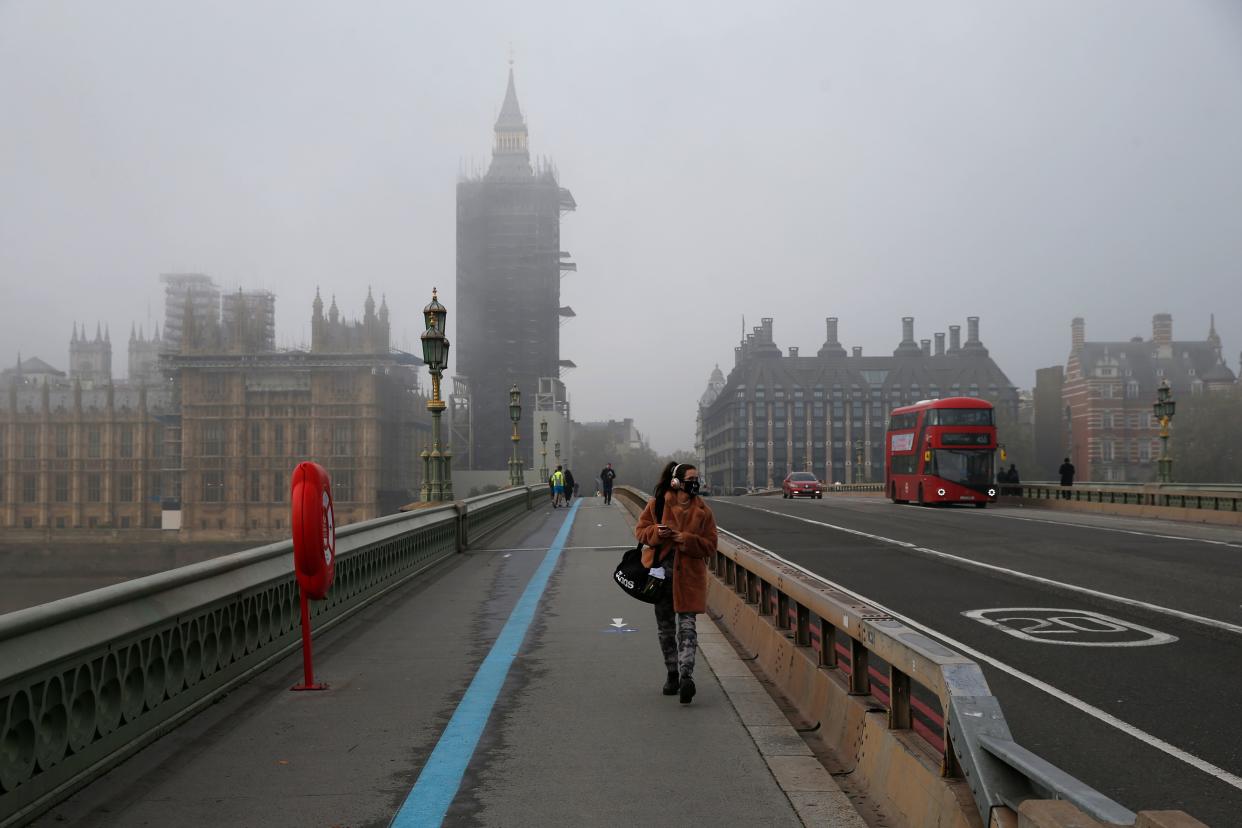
441,777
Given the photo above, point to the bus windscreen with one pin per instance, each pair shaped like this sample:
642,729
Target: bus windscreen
966,468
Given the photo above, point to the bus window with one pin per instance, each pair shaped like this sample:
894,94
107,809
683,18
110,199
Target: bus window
960,416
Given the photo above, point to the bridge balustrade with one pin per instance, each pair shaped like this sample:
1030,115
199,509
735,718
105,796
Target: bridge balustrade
88,680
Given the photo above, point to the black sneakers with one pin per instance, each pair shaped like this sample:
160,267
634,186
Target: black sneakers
671,684
687,690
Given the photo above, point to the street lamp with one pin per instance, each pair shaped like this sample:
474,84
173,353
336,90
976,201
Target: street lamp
858,465
543,453
437,463
558,453
515,414
1163,408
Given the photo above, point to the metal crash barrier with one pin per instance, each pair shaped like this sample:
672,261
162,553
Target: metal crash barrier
88,680
924,688
1212,498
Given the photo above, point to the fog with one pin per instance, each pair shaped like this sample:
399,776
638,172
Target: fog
1025,163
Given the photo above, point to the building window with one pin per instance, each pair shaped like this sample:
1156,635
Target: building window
278,440
61,485
62,442
278,487
60,523
342,486
94,488
124,523
213,487
94,442
256,439
157,441
127,441
302,446
30,442
213,439
154,486
342,439
30,488
254,487
1132,390
28,523
125,487
213,386
1106,450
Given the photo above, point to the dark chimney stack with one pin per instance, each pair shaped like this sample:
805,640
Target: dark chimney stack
1078,333
972,329
832,329
857,350
793,350
940,344
955,339
907,329
925,344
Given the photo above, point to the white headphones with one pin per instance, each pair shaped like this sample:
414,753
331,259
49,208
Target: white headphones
675,482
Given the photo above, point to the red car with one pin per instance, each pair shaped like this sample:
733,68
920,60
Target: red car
801,484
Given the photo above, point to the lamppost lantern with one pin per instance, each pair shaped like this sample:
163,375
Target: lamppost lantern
543,430
515,404
435,315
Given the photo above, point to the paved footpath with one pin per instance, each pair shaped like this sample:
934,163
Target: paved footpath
430,721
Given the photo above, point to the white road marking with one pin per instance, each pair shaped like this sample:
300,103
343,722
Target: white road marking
1112,529
1095,593
1073,701
1045,622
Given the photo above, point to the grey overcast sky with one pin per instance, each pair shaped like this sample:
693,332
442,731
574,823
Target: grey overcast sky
1023,161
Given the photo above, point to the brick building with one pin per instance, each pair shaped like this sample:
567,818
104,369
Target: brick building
1109,388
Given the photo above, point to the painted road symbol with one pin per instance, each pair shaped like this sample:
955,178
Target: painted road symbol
1069,627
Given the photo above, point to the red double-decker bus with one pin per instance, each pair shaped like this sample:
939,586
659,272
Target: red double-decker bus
940,451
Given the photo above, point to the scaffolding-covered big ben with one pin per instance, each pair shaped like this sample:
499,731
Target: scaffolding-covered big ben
509,266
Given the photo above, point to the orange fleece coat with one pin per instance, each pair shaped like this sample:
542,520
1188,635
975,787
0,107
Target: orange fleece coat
694,519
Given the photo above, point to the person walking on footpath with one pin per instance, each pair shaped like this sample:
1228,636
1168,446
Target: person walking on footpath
681,542
570,489
1067,476
605,481
558,487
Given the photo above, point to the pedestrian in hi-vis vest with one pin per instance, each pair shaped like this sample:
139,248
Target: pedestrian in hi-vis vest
558,487
679,546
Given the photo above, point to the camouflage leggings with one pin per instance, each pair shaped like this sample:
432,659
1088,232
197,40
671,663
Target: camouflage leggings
678,638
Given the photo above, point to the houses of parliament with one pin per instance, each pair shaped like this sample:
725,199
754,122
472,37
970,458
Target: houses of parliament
201,437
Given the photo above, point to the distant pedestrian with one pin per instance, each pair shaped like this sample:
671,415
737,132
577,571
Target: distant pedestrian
679,544
558,487
605,480
1013,479
571,488
1067,475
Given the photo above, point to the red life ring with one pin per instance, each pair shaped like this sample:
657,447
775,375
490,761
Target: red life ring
314,530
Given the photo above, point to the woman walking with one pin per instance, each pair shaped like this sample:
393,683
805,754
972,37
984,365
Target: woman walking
680,540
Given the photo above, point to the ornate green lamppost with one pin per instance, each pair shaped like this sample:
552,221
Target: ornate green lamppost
1163,408
515,414
543,453
437,463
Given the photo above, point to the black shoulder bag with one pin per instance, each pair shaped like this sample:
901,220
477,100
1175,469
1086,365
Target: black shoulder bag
634,579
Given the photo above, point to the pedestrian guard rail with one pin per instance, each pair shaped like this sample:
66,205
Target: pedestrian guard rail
90,679
1215,498
924,686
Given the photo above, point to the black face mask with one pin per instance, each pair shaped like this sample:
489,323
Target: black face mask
690,487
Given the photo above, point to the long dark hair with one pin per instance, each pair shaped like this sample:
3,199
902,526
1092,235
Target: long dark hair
666,476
